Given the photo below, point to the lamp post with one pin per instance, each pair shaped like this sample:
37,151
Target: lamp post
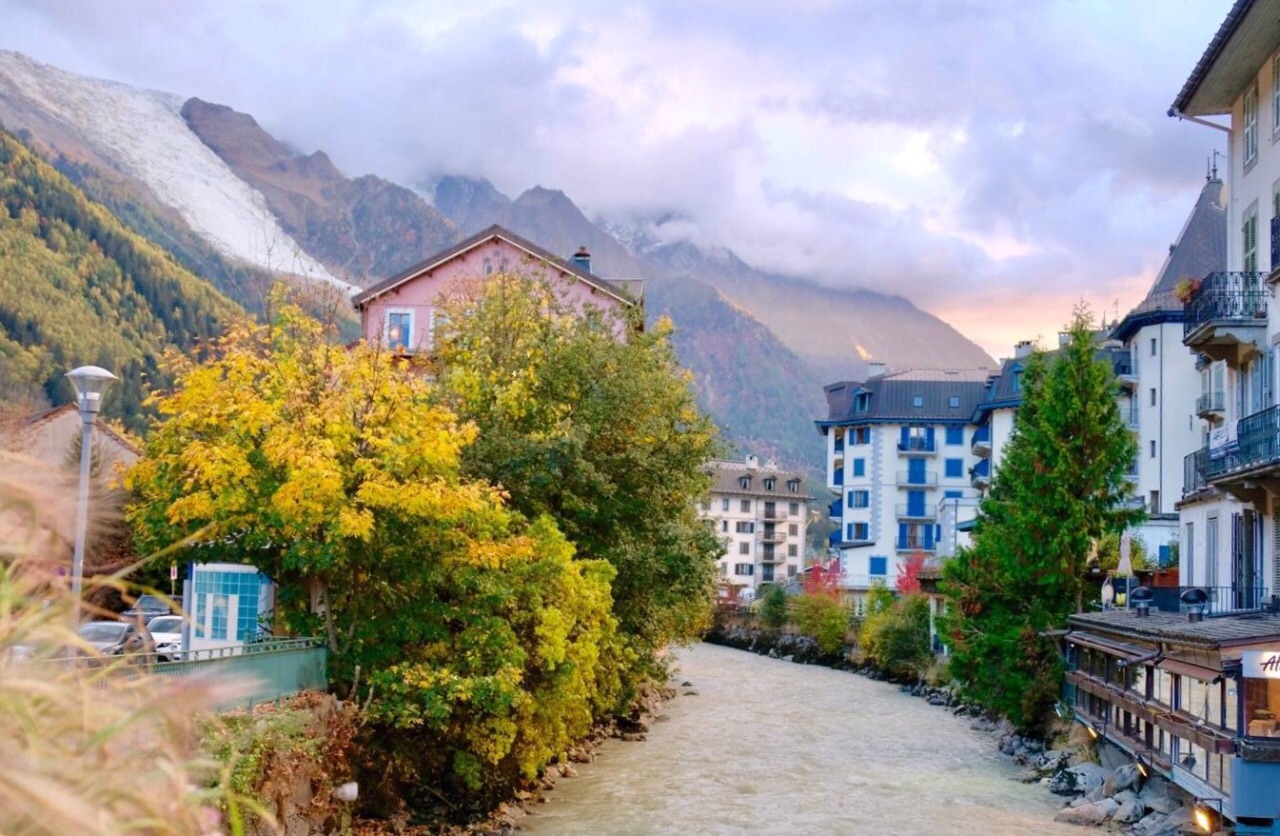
90,383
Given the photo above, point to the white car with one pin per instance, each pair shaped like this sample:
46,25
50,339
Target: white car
166,632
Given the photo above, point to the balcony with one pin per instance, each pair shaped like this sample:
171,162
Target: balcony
1253,461
914,544
1222,599
907,511
835,509
927,480
1211,405
982,441
917,446
1193,471
773,537
980,474
773,557
1129,414
773,513
1127,371
1227,317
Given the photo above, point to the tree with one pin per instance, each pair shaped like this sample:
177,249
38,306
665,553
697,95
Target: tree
338,474
585,418
773,608
895,637
824,619
1060,487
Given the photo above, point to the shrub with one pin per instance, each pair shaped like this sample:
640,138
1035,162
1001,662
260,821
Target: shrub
896,639
773,608
824,619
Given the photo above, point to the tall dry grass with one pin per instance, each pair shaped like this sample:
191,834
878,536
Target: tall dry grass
92,746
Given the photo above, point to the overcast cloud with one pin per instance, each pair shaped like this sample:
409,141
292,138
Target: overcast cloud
992,161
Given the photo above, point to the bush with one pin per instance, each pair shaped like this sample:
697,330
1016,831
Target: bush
773,608
823,619
895,639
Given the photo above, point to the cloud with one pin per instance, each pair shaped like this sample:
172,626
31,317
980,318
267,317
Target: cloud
971,155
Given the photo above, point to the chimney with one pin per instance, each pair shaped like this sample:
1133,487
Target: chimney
1195,599
1023,349
752,462
582,259
875,370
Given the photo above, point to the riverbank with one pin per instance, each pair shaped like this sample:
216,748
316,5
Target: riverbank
1117,797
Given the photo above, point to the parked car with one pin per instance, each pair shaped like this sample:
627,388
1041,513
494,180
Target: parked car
113,638
147,607
166,632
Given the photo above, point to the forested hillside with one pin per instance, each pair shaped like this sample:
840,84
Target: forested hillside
78,288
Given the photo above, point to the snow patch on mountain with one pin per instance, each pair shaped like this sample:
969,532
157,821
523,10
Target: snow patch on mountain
142,132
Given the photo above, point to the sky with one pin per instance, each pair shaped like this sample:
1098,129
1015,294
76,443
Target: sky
994,162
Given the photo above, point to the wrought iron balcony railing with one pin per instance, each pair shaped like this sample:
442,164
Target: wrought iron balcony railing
1227,298
1193,471
1257,444
1210,402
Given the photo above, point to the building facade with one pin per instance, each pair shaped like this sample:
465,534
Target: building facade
761,513
1228,516
898,445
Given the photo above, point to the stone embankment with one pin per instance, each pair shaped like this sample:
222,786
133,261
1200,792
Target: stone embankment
1118,799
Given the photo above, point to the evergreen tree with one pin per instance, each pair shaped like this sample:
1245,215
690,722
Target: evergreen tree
1059,489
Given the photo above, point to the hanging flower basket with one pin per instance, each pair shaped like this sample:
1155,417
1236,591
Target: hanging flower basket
1186,289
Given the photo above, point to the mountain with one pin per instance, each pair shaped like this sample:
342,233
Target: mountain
77,288
230,202
361,229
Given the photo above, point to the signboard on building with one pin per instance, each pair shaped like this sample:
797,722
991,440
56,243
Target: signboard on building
1221,439
1260,664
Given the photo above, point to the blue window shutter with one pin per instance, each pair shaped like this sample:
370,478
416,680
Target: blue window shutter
902,535
906,434
953,494
928,537
1165,554
915,471
928,436
859,467
879,566
848,531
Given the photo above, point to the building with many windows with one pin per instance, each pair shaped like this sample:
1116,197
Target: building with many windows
761,513
898,445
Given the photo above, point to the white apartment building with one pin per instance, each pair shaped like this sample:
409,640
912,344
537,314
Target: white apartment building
761,513
898,445
1168,393
1230,525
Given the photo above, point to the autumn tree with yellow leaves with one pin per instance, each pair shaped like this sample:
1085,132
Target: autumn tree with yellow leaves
489,645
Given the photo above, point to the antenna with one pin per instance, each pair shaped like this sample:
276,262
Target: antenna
1214,168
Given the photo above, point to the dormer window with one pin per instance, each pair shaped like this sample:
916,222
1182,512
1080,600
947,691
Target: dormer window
862,402
745,483
769,483
1017,380
917,401
793,485
954,402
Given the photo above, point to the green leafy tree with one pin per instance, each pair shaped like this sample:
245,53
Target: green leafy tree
824,619
1060,488
895,638
337,473
585,418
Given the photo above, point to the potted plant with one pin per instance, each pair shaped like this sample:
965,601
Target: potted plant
1186,289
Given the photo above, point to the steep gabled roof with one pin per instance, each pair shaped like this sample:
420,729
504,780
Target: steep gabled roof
100,426
1246,38
1200,249
493,233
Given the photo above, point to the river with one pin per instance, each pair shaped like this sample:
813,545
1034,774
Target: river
770,747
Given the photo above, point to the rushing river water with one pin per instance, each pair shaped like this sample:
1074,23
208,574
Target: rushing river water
771,747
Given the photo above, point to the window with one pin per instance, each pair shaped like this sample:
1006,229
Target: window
706,505
745,506
917,401
744,527
744,548
879,566
1275,94
861,435
769,482
747,569
794,509
859,532
744,482
953,402
1154,506
399,330
955,468
791,550
1153,346
859,467
859,499
862,402
955,435
791,571
1153,448
1250,124
724,505
793,485
793,529
1017,380
724,525
1249,239
1153,396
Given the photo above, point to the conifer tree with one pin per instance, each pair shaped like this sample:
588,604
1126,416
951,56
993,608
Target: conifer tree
1059,488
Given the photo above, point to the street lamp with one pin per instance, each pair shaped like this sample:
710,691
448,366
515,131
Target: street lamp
90,383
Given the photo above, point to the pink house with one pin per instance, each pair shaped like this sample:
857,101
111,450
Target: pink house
399,312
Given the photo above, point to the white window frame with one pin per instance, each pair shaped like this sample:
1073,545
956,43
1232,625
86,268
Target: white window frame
1275,94
1249,240
386,327
1250,120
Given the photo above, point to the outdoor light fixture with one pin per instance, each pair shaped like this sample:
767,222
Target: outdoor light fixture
1093,733
1205,817
90,383
1142,766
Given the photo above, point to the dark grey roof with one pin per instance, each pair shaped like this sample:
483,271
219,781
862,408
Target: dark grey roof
1000,391
1246,628
481,237
1200,249
892,397
728,474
